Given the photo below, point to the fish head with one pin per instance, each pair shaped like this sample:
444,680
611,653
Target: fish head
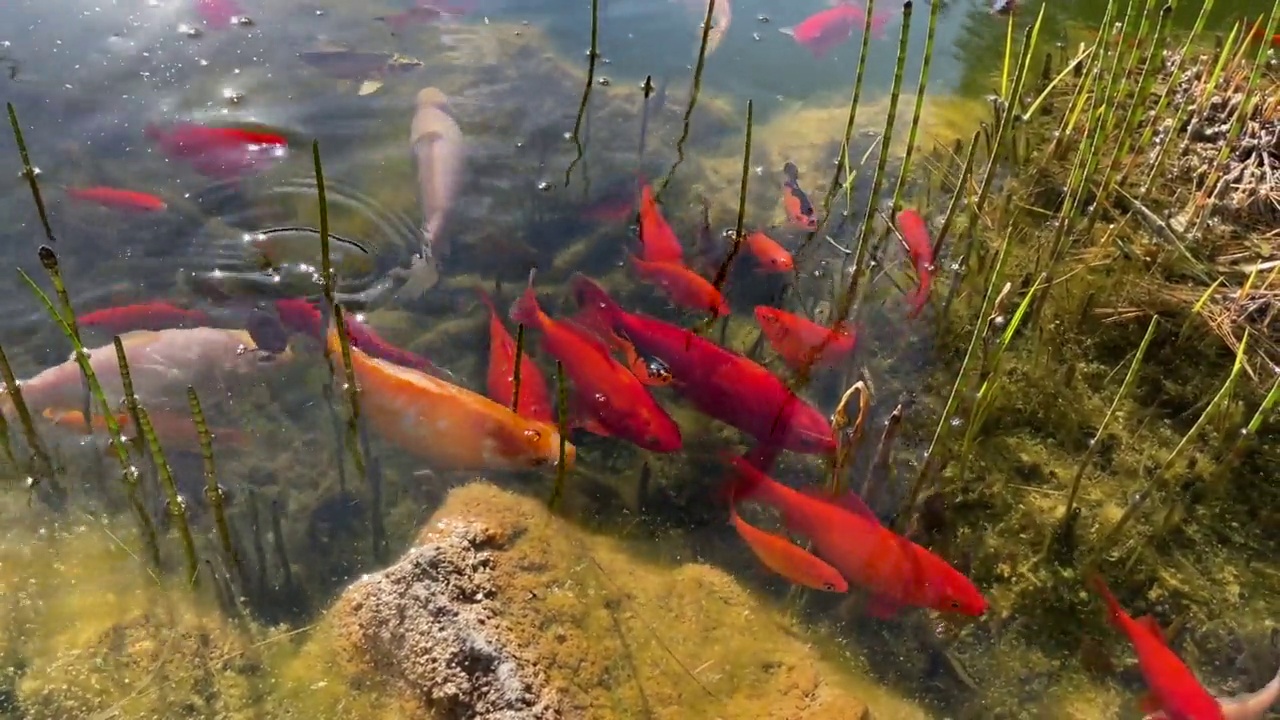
534,444
958,594
780,262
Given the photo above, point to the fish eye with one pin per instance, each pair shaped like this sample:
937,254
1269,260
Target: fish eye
828,587
532,435
955,605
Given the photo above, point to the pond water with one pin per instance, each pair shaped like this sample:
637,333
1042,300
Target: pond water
311,501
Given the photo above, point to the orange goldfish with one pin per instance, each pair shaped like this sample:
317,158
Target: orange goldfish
799,210
535,398
605,390
118,199
449,426
803,343
1173,688
894,570
683,286
771,256
786,558
174,430
658,242
916,236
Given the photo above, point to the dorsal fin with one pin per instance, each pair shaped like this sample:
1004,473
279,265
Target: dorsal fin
587,336
849,501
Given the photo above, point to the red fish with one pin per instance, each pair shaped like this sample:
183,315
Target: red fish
605,390
648,370
720,383
916,236
217,152
144,316
771,256
802,343
219,13
795,203
683,286
895,571
118,199
658,242
303,316
786,558
1173,688
535,398
825,30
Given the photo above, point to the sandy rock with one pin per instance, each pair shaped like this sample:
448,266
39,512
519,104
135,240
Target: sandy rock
506,611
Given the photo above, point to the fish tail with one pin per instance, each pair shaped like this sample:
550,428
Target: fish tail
487,300
920,297
790,170
1098,585
526,310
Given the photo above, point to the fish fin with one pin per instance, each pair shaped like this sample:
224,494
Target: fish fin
593,426
588,336
1152,626
849,501
526,310
1149,703
369,87
592,298
881,607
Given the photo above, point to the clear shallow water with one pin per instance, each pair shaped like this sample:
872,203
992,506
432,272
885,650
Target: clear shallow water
86,80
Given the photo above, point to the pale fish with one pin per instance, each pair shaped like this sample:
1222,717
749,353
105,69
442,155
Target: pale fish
440,150
1249,706
449,426
721,17
161,363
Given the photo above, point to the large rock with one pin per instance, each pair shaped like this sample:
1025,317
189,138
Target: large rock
505,611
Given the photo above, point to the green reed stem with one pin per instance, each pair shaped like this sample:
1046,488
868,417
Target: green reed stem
722,273
128,473
693,100
5,443
177,507
647,88
923,83
213,492
255,541
878,475
592,55
29,172
846,301
1105,543
562,426
1129,379
42,470
515,375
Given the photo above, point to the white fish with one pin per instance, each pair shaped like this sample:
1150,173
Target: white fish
161,363
440,150
1249,706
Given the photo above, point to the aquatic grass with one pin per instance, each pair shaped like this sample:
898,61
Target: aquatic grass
921,85
562,428
175,505
42,469
6,444
1246,437
1096,442
592,54
933,456
282,552
1157,480
255,542
961,193
881,465
515,374
847,434
129,475
213,492
694,89
845,302
989,368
